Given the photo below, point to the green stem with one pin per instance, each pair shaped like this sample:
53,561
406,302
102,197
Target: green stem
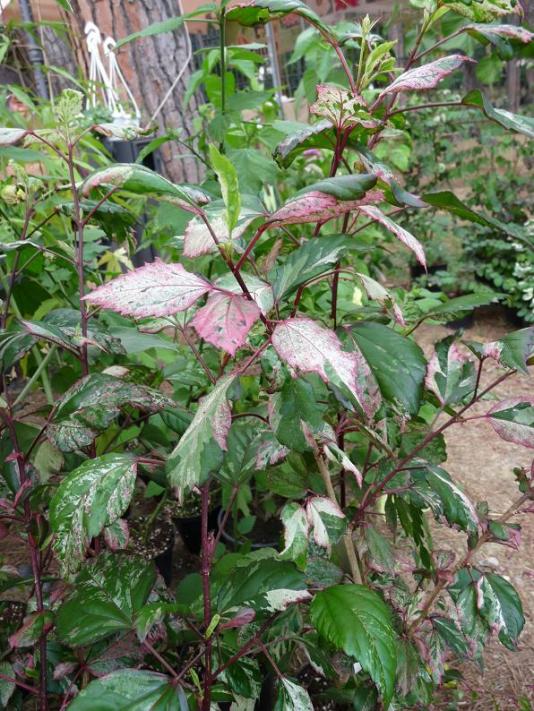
40,370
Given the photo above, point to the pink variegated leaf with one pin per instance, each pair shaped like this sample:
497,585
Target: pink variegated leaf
308,347
426,77
225,320
342,108
513,420
374,213
513,32
157,289
198,240
317,206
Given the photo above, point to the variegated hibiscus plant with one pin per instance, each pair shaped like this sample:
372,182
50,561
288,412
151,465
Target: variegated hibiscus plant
259,374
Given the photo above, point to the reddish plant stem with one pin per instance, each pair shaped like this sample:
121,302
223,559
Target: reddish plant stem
245,649
206,559
161,660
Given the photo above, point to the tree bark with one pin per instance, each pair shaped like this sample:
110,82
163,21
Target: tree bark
150,66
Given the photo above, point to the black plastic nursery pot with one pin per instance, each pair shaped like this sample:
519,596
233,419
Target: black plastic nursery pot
157,544
190,528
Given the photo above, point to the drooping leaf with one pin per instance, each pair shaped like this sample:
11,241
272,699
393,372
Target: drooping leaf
225,320
308,347
140,180
484,10
445,497
426,77
109,591
157,289
292,697
356,619
200,449
262,11
513,420
501,608
198,239
405,237
397,363
502,37
170,25
229,183
451,373
513,122
130,690
90,498
6,687
92,403
515,350
344,187
264,585
50,333
304,137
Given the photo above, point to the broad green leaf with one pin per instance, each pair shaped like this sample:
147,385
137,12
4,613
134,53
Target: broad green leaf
92,403
426,77
170,25
262,11
303,137
253,168
483,10
379,551
199,452
93,496
292,697
50,333
142,181
513,122
308,347
109,591
225,320
515,350
445,497
356,620
156,289
450,634
501,608
513,420
308,261
451,373
343,187
397,363
229,184
130,690
6,687
293,404
267,585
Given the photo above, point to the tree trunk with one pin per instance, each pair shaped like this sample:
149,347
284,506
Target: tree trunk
150,66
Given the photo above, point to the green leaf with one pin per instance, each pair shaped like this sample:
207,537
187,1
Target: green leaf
451,635
262,11
445,497
303,137
515,350
253,168
451,374
355,619
109,591
265,585
6,687
93,496
142,181
293,404
513,420
229,184
130,690
292,697
483,10
501,608
513,122
343,187
397,363
308,261
90,406
170,25
199,452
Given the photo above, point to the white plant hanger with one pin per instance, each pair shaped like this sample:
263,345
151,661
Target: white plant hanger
107,84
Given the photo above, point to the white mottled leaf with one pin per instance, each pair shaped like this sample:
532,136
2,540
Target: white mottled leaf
317,206
225,320
426,77
513,420
327,521
405,237
198,239
261,291
200,449
157,289
292,697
